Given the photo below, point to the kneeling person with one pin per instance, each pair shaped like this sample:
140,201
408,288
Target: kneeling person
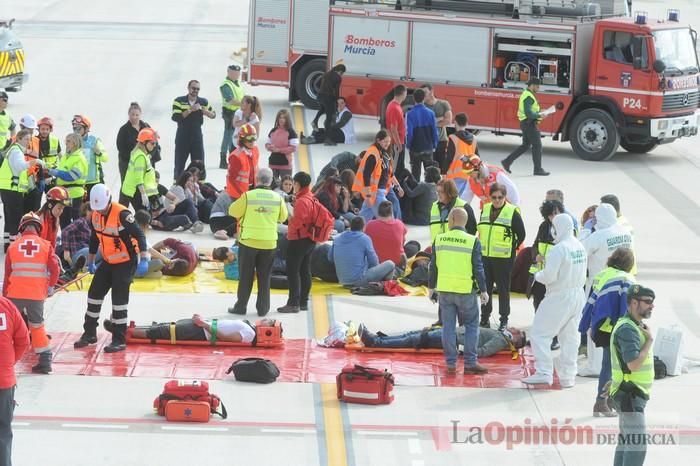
199,329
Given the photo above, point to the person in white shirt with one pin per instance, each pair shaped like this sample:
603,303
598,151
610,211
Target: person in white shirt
200,329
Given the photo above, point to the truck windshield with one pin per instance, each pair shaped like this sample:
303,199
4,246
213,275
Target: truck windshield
675,48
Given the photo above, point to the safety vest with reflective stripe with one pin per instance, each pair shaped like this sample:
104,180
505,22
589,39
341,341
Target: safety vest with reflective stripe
10,181
542,250
369,193
108,232
140,172
453,257
462,149
94,173
437,225
74,163
261,214
521,105
239,182
481,188
29,274
497,237
5,123
644,376
51,158
606,275
238,94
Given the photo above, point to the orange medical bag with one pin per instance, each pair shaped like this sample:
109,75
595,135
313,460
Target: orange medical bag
187,397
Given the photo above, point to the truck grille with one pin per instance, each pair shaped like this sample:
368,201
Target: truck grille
688,101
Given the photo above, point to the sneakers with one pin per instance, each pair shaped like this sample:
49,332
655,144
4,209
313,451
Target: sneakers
221,234
115,347
85,340
555,344
233,310
502,326
476,369
541,172
197,227
505,165
602,409
288,309
537,379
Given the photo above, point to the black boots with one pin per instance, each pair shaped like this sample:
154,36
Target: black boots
85,340
223,163
118,337
44,365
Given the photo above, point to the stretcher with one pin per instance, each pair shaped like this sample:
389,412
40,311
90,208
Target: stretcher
265,337
77,281
514,353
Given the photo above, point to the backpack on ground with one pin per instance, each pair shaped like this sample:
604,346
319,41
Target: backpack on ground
256,370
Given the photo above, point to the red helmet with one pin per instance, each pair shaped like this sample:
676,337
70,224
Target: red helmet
471,163
58,194
247,133
30,219
80,120
46,121
146,135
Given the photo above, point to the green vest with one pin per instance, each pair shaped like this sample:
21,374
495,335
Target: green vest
8,180
51,158
643,377
542,249
600,280
77,163
237,92
262,211
497,237
140,171
453,257
437,226
5,123
521,104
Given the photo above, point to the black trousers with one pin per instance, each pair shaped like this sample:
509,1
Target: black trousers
135,201
497,271
531,139
13,209
254,263
329,108
187,146
420,158
299,270
71,212
226,223
440,154
32,200
7,410
115,277
123,167
400,159
538,292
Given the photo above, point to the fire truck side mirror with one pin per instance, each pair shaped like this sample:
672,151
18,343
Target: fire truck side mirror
659,66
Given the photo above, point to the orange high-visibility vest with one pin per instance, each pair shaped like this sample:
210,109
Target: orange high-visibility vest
242,171
29,273
33,148
481,189
114,251
456,169
369,193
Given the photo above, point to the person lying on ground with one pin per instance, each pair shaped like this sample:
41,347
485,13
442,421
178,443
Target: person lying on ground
229,256
199,329
181,257
491,341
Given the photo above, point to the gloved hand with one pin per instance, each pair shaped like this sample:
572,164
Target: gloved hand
92,268
144,200
50,291
142,268
433,295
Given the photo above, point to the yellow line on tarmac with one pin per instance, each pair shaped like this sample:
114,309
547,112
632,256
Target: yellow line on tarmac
332,417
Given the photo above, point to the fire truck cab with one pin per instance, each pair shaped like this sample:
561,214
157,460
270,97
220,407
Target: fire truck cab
613,79
12,74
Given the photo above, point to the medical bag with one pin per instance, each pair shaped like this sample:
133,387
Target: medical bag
187,398
365,385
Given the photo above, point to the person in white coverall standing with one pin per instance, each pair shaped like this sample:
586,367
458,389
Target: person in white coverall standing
564,275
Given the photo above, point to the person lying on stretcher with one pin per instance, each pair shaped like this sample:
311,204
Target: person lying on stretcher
198,329
491,341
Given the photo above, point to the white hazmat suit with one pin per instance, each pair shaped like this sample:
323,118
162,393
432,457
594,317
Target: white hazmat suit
559,313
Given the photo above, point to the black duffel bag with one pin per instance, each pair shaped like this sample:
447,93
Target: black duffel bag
256,370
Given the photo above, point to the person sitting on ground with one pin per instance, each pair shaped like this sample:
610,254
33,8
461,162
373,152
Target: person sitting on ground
199,329
186,188
75,240
286,190
321,267
336,199
491,341
339,162
356,262
282,143
158,260
182,257
204,203
341,131
388,235
348,178
229,256
221,223
208,190
419,197
169,213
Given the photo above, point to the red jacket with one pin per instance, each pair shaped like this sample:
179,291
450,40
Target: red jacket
49,230
303,213
14,341
242,168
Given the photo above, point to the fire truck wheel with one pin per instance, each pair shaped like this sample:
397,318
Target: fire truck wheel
638,147
594,135
308,81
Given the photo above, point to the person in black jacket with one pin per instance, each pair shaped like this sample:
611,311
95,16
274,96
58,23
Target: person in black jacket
327,96
126,137
418,198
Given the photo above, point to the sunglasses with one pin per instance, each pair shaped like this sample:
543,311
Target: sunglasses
648,301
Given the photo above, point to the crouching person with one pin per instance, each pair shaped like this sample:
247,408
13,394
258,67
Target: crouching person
199,329
31,272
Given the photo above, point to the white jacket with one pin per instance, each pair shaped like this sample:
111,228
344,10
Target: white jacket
608,236
565,268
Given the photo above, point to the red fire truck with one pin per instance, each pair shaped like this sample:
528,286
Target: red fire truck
614,80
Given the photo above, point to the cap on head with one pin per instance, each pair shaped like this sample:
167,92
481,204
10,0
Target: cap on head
639,291
234,67
100,197
3,95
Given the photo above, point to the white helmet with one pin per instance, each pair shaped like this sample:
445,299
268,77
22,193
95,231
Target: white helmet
28,121
100,196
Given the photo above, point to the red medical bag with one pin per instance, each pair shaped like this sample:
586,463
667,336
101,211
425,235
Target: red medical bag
365,385
187,411
189,395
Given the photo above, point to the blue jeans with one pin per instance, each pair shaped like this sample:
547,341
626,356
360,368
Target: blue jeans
605,371
465,306
84,252
376,273
368,212
433,339
395,205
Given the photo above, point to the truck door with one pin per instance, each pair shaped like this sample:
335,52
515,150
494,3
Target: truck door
268,42
622,71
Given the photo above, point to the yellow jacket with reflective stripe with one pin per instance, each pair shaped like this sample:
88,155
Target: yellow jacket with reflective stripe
437,226
521,104
453,257
643,377
259,211
497,237
5,123
51,159
542,250
76,163
11,181
238,94
140,172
